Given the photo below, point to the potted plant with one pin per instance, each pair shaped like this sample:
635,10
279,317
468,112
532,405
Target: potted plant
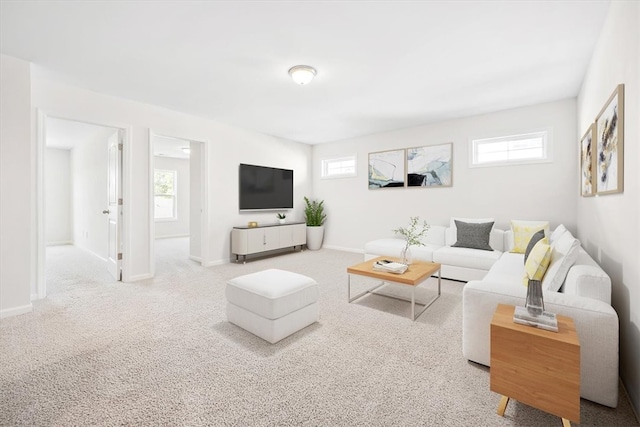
413,236
315,217
281,217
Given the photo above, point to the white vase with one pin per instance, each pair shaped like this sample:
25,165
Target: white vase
314,237
281,220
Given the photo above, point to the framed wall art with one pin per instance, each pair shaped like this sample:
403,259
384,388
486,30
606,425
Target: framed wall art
587,162
386,169
609,148
430,166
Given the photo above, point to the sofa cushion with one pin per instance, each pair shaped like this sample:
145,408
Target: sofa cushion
564,253
452,233
465,257
536,265
559,231
522,232
534,239
393,246
272,293
473,236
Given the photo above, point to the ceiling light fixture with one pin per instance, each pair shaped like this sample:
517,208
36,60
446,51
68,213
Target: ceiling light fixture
302,74
186,150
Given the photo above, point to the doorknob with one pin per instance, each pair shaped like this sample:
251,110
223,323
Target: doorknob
105,211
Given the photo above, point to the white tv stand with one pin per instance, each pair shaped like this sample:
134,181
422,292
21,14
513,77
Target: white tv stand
253,240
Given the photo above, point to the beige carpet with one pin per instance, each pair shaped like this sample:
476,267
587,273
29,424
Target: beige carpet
160,352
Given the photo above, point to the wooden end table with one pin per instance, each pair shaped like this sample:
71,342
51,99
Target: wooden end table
536,367
418,272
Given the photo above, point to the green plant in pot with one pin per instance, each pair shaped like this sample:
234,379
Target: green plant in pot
315,217
281,217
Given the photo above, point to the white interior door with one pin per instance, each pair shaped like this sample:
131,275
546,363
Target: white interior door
114,259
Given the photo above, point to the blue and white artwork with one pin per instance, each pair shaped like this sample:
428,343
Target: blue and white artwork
386,169
429,166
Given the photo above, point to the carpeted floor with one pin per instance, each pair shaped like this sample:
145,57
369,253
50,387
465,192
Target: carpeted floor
160,352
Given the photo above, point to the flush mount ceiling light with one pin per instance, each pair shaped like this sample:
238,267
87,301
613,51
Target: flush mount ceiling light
302,74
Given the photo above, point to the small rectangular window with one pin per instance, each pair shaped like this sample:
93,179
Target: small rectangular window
338,167
510,150
164,185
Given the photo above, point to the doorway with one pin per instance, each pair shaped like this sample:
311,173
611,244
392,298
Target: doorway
79,184
177,178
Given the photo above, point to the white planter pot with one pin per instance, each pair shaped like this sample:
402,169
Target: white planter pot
314,237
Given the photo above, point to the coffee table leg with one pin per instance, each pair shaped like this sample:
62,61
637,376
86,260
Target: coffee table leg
413,303
368,291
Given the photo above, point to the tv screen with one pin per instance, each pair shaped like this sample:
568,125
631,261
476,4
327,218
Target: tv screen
265,188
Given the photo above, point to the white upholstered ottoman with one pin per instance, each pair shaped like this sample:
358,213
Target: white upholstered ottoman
272,304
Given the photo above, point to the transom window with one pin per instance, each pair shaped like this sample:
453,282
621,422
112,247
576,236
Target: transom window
338,167
164,184
509,150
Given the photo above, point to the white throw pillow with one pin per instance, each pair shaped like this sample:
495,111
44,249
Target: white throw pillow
559,231
452,232
564,253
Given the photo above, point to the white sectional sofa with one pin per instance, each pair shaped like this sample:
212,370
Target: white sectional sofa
495,277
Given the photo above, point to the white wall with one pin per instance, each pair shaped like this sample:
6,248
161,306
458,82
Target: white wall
17,164
57,192
195,201
180,226
536,191
608,225
89,189
227,146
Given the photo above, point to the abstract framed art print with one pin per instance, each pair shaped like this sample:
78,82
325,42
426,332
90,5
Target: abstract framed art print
386,169
610,145
430,166
587,163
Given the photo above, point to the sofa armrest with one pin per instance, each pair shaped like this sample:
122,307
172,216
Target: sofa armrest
588,281
596,323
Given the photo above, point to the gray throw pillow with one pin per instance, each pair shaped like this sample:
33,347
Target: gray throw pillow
534,239
473,236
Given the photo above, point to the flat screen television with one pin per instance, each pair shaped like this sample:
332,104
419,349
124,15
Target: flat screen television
265,188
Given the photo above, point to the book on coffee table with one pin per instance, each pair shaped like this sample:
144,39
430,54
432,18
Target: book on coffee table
390,267
545,320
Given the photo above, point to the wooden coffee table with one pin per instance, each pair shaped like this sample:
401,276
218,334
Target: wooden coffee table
418,272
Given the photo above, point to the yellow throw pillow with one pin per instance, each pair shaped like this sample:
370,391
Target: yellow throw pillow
522,232
537,263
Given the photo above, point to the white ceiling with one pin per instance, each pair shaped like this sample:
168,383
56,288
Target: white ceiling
381,65
67,134
170,147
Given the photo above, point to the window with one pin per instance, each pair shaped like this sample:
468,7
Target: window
509,150
164,184
338,167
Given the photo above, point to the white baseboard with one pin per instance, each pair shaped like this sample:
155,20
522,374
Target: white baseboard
216,262
171,236
91,252
62,243
16,311
195,258
139,277
340,248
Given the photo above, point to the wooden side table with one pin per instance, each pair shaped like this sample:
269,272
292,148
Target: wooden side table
536,367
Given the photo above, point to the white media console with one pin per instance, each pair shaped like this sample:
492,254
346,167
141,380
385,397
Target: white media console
253,240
